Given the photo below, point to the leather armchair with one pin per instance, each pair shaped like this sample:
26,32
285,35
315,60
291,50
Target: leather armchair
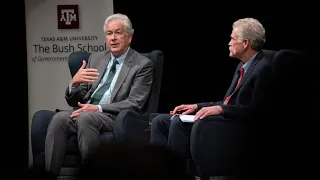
130,127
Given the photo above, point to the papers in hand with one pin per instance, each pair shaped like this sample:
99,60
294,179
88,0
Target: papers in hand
187,118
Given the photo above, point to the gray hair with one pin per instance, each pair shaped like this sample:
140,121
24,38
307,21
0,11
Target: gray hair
123,19
251,29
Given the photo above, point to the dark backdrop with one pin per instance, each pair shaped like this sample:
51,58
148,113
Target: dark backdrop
193,37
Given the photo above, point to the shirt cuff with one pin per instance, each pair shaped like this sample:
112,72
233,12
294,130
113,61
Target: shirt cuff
220,109
71,88
100,108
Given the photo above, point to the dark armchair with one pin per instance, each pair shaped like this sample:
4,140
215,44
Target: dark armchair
130,127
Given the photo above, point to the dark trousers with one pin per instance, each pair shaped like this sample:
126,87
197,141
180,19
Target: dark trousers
172,134
87,128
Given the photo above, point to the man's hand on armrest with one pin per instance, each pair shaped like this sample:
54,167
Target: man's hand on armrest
208,111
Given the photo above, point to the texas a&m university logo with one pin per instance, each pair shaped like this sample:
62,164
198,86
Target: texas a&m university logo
68,17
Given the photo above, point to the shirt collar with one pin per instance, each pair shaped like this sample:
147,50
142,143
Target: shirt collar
122,57
248,63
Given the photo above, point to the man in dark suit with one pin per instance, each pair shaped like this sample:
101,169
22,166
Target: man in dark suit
118,79
244,98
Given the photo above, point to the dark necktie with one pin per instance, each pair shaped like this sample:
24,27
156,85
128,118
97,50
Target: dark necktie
100,92
239,80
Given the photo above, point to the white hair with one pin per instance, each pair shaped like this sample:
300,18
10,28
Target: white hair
252,30
123,19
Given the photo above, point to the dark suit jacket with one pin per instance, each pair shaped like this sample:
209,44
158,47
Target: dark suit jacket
131,89
252,92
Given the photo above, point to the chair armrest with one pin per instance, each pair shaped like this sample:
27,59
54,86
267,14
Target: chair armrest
217,147
130,127
39,125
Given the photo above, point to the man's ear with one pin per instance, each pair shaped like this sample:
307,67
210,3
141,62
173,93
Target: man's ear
246,44
130,38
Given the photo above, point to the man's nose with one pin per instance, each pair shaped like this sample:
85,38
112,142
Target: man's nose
113,36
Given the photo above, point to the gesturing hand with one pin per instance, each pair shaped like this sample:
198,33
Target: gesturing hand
85,75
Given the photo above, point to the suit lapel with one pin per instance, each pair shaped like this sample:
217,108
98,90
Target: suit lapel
234,82
247,74
102,67
123,74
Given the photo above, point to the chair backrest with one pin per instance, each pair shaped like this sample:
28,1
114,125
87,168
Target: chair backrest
269,53
287,60
156,56
75,61
287,67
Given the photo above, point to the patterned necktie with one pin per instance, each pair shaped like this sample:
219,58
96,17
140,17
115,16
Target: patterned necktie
100,92
239,80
